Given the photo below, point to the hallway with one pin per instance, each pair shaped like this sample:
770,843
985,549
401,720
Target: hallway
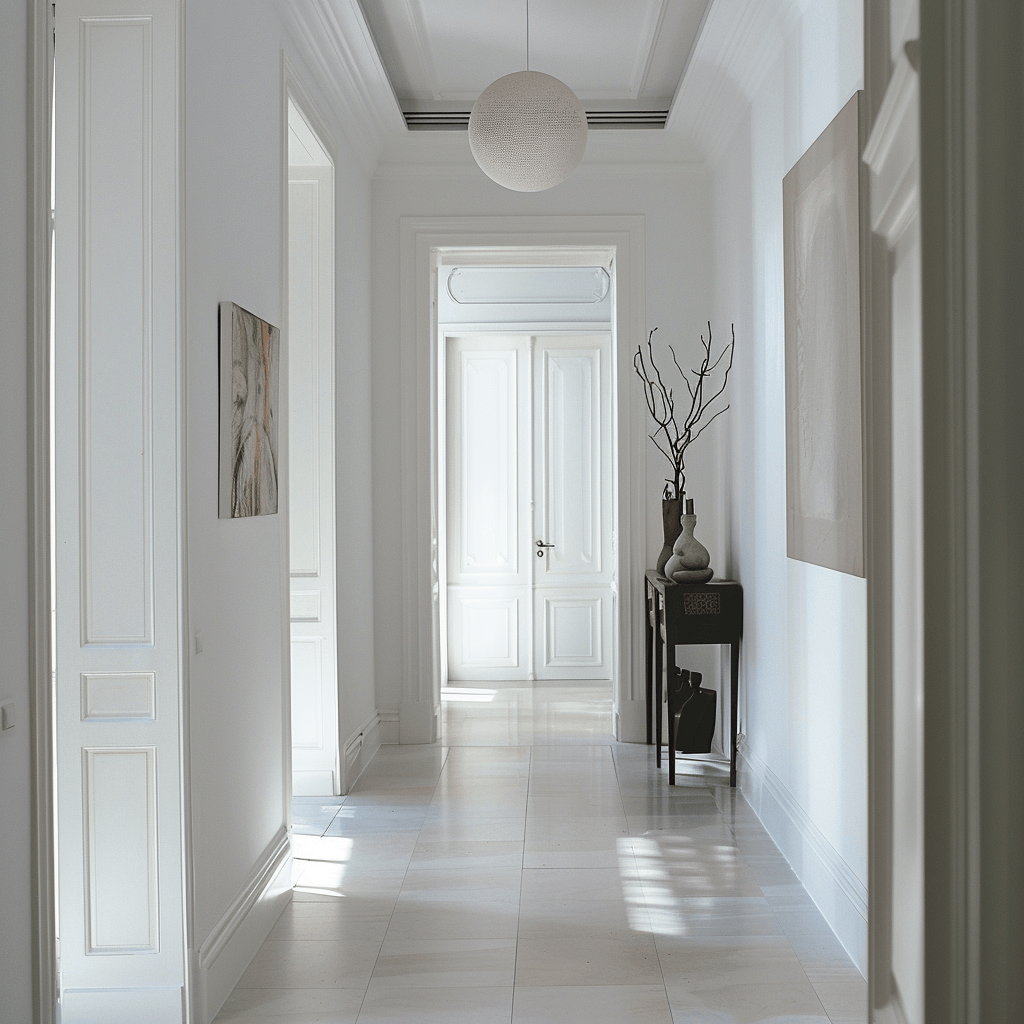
547,876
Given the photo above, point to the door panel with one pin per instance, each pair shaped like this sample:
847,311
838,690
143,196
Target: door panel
571,466
529,457
487,411
487,631
573,629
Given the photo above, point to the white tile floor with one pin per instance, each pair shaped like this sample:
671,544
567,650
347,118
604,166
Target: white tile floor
533,871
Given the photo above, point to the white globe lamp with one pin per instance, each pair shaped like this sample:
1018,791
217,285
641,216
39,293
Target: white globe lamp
528,131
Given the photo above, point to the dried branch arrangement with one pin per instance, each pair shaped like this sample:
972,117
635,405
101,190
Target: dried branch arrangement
673,437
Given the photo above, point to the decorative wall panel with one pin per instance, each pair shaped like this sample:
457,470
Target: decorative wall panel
116,330
120,849
118,695
306,606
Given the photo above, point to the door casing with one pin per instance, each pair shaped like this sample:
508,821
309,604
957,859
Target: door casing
426,243
316,739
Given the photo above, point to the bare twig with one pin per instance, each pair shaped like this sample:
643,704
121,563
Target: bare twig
676,438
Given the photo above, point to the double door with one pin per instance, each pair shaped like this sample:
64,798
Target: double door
530,532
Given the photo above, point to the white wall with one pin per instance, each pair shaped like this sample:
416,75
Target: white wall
804,705
675,202
16,851
233,199
233,252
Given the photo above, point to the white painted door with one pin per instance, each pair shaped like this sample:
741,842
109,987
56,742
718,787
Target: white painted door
118,512
529,537
315,732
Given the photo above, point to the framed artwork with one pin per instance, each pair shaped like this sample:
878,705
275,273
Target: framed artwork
822,219
249,384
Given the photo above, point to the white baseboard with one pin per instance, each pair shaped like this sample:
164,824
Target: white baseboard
418,721
838,893
359,749
389,727
631,721
230,947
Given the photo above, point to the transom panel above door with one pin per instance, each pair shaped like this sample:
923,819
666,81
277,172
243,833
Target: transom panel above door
529,506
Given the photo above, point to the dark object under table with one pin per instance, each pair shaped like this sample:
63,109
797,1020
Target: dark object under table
689,613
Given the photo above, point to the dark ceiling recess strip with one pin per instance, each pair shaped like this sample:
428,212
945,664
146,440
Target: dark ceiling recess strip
458,120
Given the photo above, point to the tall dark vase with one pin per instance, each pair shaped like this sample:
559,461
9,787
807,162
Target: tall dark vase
671,510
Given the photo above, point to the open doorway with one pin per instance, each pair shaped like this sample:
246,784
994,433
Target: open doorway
312,564
427,244
527,472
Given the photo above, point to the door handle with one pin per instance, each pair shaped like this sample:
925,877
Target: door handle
541,546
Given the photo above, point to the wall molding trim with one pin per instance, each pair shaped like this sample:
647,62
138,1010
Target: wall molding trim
41,716
334,40
892,158
228,949
799,839
736,45
891,154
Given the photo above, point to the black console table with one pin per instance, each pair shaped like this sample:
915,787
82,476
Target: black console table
689,613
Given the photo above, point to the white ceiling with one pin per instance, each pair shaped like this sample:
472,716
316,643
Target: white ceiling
614,54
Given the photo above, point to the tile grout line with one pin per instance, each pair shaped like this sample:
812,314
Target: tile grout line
369,981
519,907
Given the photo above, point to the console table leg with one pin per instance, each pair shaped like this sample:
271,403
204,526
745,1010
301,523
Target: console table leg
648,656
670,674
734,692
659,650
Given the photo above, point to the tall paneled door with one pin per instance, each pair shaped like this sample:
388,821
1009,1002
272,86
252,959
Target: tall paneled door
118,512
530,531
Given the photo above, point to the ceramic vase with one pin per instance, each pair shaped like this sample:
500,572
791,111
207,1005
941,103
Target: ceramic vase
671,510
690,561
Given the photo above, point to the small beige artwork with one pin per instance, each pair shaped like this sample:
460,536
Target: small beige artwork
824,473
249,374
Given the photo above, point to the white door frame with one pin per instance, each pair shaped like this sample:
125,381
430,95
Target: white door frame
421,239
43,839
326,625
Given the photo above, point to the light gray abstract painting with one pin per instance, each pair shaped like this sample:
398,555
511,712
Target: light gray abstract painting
249,375
824,475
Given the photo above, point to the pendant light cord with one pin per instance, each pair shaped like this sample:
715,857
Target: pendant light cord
527,35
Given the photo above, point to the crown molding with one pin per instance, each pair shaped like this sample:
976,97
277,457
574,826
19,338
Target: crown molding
737,43
892,155
334,41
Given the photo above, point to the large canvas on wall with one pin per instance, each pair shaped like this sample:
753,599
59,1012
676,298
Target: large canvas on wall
249,376
824,473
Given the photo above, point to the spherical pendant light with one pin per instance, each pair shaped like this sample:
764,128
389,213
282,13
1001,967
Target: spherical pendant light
528,131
